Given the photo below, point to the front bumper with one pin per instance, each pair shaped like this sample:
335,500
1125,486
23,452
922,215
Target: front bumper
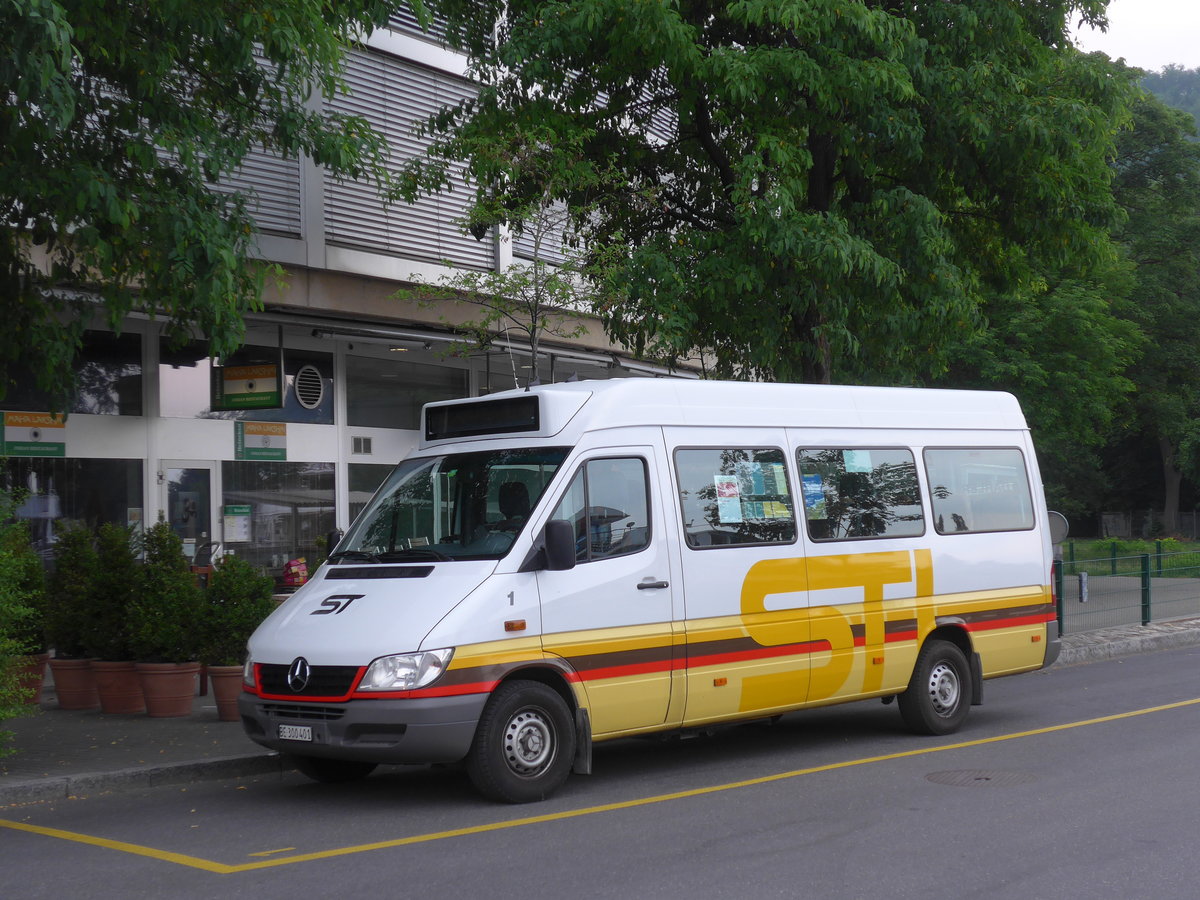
427,730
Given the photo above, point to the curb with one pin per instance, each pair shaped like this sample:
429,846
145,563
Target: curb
1083,650
68,786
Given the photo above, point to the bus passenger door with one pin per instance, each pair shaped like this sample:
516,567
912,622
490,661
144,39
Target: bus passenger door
748,634
612,616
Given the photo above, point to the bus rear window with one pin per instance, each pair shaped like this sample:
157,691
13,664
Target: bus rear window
974,490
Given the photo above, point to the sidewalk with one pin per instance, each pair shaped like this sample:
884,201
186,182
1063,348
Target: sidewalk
62,754
67,753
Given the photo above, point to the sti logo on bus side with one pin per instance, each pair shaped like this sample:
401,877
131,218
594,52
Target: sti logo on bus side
335,604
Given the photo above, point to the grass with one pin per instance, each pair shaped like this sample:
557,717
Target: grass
1168,557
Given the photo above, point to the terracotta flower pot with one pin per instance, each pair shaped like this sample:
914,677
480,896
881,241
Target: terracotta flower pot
226,688
119,687
31,673
74,683
168,688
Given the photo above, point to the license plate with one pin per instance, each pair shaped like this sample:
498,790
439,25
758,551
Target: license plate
295,732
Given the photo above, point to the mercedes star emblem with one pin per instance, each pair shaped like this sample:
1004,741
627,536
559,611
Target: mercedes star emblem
298,674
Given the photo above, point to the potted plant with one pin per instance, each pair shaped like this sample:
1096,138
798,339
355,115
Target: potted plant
238,597
106,641
164,617
68,590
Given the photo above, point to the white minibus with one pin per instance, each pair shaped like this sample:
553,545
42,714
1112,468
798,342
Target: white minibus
588,561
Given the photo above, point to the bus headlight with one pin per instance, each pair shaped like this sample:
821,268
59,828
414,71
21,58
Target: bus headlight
406,671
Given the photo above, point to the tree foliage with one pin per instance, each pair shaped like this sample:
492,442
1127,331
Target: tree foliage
1059,345
1157,182
535,298
846,179
118,119
1177,87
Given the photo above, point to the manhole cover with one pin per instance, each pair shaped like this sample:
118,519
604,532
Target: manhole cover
979,778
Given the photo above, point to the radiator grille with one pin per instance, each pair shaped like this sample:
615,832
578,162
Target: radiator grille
323,681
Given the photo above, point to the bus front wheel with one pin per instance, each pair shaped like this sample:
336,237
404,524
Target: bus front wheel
939,693
524,745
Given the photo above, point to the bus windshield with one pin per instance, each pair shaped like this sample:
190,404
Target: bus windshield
456,506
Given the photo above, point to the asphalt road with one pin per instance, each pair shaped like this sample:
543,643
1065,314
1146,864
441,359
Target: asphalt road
1073,782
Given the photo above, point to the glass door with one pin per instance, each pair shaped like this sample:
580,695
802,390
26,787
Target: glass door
189,492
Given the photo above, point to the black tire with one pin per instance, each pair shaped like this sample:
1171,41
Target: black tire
525,743
332,771
939,695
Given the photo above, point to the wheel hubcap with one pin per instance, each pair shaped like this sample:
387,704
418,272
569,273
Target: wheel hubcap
528,742
943,689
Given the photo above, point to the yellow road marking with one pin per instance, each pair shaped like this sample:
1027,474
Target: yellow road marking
224,869
137,849
271,852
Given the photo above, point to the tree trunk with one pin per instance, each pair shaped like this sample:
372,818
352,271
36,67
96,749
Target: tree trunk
816,362
1172,479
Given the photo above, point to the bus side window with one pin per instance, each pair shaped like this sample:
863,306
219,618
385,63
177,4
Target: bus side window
608,505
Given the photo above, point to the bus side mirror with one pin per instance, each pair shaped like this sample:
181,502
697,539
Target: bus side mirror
1059,528
558,541
332,539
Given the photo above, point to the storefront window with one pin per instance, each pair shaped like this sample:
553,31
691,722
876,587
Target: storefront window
184,385
93,491
389,393
290,507
108,374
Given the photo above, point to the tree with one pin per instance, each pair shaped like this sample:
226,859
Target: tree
118,121
1177,87
807,186
535,298
1060,344
1157,182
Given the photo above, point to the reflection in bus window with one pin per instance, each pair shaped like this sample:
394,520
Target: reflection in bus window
860,493
608,504
734,496
455,506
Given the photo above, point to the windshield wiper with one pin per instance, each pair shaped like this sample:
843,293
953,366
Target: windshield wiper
415,553
356,555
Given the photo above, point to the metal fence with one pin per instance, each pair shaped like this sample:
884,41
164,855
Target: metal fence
1126,590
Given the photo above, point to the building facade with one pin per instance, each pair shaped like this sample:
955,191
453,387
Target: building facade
144,440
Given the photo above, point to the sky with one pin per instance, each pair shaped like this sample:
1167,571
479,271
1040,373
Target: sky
1149,34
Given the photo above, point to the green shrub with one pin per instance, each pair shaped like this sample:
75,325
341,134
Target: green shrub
68,590
23,583
165,613
113,584
21,615
238,598
13,696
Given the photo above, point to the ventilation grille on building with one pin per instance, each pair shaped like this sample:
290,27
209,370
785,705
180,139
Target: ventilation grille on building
310,387
360,445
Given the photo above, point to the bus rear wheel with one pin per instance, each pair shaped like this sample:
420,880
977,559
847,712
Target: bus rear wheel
939,693
524,745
